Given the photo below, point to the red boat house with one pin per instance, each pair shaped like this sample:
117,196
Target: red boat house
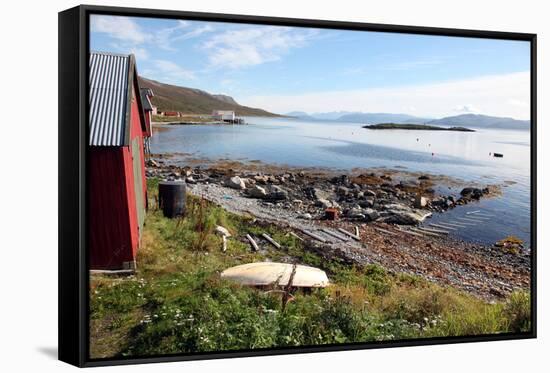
118,130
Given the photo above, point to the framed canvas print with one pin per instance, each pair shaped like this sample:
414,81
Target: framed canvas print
239,186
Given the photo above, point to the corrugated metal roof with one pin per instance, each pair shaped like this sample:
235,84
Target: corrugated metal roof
108,98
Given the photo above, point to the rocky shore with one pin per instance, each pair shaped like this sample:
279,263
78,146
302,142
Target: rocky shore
384,206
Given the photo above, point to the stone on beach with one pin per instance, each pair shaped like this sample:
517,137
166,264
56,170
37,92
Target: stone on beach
420,202
324,203
235,182
277,193
404,215
256,191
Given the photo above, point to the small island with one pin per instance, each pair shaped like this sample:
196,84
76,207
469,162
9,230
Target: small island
410,126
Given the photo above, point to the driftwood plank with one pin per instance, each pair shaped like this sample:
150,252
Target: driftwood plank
271,240
296,236
417,230
412,233
382,230
433,230
313,235
224,243
252,242
334,234
355,237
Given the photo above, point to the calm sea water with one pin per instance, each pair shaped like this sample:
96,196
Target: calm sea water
463,155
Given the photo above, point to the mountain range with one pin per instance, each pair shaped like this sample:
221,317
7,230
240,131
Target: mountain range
169,97
462,120
483,121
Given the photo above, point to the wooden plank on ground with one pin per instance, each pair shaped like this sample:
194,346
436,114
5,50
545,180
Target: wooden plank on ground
296,236
271,240
252,242
425,232
433,230
334,234
349,234
382,230
313,235
412,233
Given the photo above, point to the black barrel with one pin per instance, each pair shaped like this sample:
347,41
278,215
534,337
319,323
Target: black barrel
172,198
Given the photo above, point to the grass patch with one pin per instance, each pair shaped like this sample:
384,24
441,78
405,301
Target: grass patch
178,303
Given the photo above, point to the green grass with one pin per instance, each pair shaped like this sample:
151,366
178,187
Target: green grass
177,301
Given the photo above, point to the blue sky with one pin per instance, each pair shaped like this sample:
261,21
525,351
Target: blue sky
284,69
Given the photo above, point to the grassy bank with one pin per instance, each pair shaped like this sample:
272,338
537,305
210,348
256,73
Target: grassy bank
177,301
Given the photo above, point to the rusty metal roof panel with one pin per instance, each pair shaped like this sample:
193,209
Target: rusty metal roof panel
108,98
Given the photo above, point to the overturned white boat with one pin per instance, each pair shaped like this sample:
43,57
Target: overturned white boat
277,274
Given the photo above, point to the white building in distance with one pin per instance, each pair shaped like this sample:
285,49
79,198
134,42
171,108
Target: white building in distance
224,115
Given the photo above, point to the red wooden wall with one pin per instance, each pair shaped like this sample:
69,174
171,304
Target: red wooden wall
113,223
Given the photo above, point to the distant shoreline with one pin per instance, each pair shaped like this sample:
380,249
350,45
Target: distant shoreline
421,127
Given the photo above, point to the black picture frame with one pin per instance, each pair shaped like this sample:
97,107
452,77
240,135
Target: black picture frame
73,122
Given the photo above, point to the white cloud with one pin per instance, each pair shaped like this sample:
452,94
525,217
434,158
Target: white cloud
168,37
128,32
254,45
170,71
120,28
488,95
466,109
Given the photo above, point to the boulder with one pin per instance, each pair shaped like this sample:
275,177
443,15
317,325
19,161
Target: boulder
306,216
261,179
420,202
256,191
401,214
324,203
277,193
355,213
342,191
316,193
249,182
369,193
371,214
235,182
366,203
